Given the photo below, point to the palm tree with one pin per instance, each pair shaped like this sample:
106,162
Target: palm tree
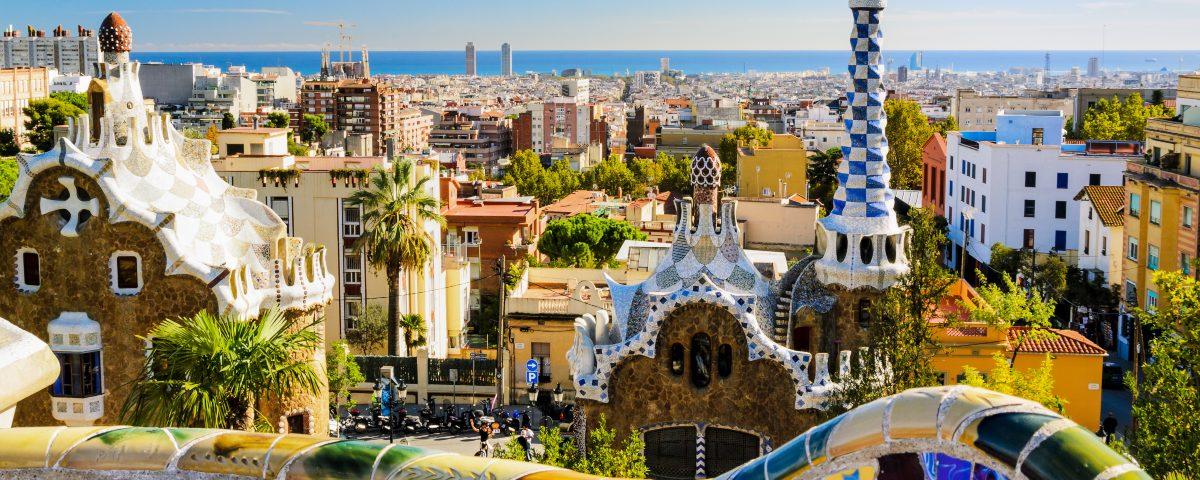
209,370
414,329
395,208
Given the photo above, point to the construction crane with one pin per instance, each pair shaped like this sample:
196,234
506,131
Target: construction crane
343,36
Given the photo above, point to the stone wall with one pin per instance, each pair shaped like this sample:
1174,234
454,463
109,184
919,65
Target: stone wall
838,329
75,277
276,410
757,396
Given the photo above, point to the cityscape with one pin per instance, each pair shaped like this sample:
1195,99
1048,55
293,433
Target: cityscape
332,247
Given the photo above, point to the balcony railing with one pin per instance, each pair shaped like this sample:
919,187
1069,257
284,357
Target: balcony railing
556,306
1178,178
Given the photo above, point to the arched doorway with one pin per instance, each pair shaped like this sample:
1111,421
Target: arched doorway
726,449
671,452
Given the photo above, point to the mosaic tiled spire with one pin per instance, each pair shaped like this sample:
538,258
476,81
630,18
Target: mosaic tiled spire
861,240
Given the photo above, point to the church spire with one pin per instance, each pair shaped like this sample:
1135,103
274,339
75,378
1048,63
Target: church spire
862,243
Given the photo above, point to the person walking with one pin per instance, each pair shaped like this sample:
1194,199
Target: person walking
1110,427
525,438
484,427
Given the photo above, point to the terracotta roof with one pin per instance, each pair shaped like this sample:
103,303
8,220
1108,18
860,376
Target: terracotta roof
966,331
1109,201
1065,342
575,202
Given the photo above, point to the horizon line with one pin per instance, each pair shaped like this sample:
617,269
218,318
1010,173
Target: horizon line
1196,51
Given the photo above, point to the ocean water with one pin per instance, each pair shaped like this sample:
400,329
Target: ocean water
608,62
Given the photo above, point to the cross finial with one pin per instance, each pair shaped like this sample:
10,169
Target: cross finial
74,206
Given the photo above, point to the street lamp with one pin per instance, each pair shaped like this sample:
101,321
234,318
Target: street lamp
557,395
392,388
533,394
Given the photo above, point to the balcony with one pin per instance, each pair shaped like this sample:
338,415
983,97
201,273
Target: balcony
555,306
1161,174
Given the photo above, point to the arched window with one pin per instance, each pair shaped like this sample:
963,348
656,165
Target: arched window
701,360
724,360
675,361
29,270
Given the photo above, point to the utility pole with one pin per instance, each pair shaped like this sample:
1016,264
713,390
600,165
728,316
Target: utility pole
502,323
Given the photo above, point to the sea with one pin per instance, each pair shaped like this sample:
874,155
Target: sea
621,62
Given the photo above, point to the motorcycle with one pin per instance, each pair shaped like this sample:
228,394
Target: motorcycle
357,421
458,420
432,422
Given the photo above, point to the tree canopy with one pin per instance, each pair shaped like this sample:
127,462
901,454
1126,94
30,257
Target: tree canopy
279,120
907,131
42,116
8,143
77,99
312,128
615,178
1166,430
8,176
1049,274
227,121
1113,119
586,241
548,185
822,175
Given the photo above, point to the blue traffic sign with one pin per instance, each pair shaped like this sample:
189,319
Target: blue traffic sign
531,378
532,366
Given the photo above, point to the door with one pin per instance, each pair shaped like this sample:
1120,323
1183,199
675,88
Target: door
671,452
802,339
727,449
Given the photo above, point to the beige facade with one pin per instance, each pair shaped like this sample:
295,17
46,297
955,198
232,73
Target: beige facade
18,87
777,224
312,196
977,112
412,130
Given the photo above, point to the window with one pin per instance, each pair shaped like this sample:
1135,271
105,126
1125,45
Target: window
1060,209
701,360
1028,238
351,221
1135,205
984,175
471,236
351,267
952,162
1151,300
1039,136
1030,208
864,314
1133,248
1187,217
1094,179
1130,292
282,207
126,273
29,270
1104,245
541,353
1087,242
1185,264
80,376
982,233
983,203
1031,179
1089,213
1060,240
1062,180
675,360
235,149
1152,257
724,360
1155,212
352,311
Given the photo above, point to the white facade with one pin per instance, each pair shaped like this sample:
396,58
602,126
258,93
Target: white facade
1001,191
68,55
1100,246
70,83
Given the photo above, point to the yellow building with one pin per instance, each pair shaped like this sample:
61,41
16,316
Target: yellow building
540,323
310,194
1077,362
679,141
776,171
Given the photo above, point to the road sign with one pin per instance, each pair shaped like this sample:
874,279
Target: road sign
531,366
531,378
478,356
453,374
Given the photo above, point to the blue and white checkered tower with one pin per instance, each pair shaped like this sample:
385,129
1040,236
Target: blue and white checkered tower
861,243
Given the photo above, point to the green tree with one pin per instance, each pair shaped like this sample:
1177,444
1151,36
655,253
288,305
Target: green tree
676,173
211,135
614,177
42,116
948,124
227,121
1049,274
395,208
370,330
77,99
727,150
822,175
1007,305
907,130
8,176
1036,384
343,373
532,179
1156,97
1165,433
1113,119
279,120
606,458
8,143
209,371
753,136
586,241
312,128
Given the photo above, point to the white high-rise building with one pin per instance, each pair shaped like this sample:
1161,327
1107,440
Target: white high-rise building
506,60
1093,69
76,55
471,60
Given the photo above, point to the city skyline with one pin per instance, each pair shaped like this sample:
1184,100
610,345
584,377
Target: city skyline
542,25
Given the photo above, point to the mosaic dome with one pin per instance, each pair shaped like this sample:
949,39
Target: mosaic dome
706,168
115,34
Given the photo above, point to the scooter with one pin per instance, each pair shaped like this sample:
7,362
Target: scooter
356,420
432,422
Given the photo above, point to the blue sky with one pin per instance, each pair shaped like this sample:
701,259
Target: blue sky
218,25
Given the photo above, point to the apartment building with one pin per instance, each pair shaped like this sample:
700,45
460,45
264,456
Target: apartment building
977,112
1017,185
482,138
412,130
1101,232
310,195
214,96
18,87
171,83
1162,197
472,60
275,86
69,55
778,170
489,228
357,106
